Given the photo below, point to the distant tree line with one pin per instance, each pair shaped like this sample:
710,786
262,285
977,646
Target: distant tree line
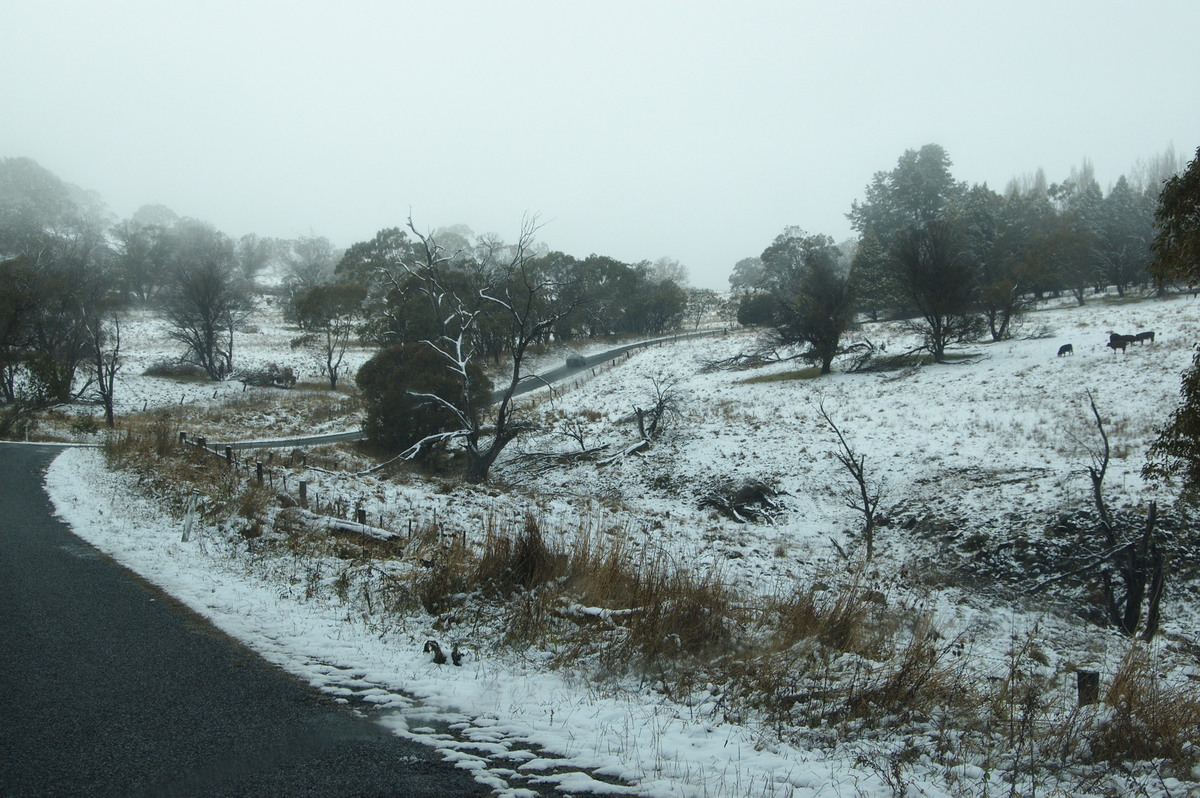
70,269
958,261
482,300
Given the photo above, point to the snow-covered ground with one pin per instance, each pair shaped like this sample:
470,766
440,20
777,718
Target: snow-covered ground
990,442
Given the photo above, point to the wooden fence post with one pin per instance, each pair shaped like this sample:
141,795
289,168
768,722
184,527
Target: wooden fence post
1087,683
303,493
259,471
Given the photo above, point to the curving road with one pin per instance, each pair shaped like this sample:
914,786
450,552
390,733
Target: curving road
112,688
528,384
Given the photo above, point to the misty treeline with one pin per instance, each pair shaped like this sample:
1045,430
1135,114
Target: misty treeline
69,268
957,262
483,300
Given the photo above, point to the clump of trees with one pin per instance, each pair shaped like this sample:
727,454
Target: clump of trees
1176,452
56,335
481,300
958,262
464,306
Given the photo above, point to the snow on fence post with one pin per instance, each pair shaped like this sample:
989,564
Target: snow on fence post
190,517
258,469
202,442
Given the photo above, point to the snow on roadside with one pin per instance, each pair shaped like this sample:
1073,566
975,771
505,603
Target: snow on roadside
998,437
508,716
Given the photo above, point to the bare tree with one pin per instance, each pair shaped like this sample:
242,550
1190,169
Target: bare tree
864,495
575,429
105,351
666,403
523,303
1140,562
207,299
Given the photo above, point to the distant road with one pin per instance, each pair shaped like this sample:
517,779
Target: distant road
528,385
111,687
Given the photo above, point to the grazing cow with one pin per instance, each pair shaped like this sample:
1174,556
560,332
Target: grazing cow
1118,342
1128,339
1145,336
1066,349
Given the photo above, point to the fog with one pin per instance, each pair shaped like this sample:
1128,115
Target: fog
636,130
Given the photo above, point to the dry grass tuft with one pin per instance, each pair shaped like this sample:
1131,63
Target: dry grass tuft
917,679
525,562
845,618
1148,720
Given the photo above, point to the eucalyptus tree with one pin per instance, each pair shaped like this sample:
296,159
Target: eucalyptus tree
329,315
934,271
207,298
918,191
813,293
1123,240
1176,248
508,290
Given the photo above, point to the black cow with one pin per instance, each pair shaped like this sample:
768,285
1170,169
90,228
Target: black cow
1145,336
1066,349
1118,342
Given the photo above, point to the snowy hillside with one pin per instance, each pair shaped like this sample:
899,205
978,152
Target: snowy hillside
978,459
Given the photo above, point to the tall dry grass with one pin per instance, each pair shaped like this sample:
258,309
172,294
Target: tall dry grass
1148,719
832,658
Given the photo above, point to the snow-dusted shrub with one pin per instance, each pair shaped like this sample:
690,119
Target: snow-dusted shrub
270,376
175,370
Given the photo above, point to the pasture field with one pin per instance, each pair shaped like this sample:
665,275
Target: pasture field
610,615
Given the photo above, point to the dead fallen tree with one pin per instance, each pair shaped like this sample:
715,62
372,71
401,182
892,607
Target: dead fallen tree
744,360
745,502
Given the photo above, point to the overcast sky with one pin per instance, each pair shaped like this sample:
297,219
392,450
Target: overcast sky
694,130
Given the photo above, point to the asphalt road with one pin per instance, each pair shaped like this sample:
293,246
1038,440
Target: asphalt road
528,384
110,687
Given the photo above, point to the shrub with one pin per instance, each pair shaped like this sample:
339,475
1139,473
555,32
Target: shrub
756,310
396,415
271,376
175,370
